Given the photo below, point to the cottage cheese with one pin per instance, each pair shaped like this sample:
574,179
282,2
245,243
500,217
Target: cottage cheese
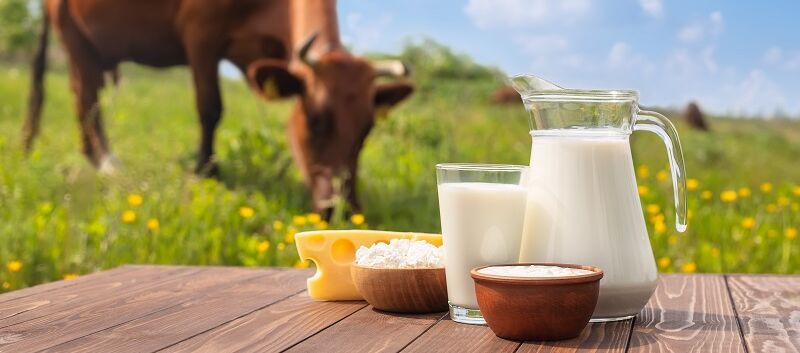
533,271
401,253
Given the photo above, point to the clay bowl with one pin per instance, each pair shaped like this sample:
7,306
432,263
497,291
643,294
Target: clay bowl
402,290
539,308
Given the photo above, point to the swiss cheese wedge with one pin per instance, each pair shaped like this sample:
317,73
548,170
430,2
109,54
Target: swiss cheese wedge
334,250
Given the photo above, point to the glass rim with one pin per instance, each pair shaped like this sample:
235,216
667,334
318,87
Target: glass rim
484,167
602,95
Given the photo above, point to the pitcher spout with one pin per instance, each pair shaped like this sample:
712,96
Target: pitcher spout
528,84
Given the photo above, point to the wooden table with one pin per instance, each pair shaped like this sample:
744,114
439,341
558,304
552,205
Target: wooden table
214,309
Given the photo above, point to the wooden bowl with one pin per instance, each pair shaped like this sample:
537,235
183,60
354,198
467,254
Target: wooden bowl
537,308
402,290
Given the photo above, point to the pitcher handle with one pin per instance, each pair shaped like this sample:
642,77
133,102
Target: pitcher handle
661,126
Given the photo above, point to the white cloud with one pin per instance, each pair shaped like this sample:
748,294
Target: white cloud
717,23
699,31
707,56
524,13
691,33
777,57
538,44
364,32
652,7
773,56
755,94
619,54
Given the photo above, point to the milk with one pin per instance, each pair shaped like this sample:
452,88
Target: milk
481,225
583,207
534,271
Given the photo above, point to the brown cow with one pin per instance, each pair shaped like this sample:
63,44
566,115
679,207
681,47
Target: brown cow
337,93
694,117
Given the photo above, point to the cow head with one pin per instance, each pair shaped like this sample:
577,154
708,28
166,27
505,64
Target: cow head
338,100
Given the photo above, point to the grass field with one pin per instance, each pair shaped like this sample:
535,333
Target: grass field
59,218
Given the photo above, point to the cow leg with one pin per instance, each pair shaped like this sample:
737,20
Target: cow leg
86,79
209,107
86,83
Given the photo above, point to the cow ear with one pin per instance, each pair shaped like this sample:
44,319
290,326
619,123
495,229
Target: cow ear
388,95
272,79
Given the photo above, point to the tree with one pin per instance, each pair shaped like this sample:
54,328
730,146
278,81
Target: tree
19,21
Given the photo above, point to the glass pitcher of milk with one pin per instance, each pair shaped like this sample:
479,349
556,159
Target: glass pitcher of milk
583,203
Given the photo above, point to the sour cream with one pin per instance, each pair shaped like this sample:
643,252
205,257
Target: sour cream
533,271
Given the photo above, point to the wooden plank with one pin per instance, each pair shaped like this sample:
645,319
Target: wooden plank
46,287
41,333
271,329
596,337
449,336
768,309
369,330
201,313
688,313
41,304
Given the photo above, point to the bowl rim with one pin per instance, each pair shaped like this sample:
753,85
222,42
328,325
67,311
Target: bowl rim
354,264
596,275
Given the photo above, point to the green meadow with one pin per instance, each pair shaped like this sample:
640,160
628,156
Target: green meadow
59,218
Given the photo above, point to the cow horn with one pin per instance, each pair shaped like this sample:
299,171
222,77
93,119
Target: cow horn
304,48
394,68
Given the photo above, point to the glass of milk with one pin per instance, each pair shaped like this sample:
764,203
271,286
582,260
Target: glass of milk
482,211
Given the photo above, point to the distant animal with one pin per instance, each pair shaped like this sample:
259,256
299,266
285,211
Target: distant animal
505,95
284,47
694,117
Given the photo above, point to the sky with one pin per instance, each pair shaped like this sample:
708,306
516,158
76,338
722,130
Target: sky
732,57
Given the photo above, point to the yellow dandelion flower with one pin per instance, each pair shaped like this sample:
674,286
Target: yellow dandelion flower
246,212
263,246
790,233
128,216
796,190
357,219
771,208
728,196
69,276
277,225
706,195
659,218
6,285
322,225
14,266
692,184
661,175
672,240
289,238
664,262
660,228
744,192
783,201
653,209
643,171
299,220
715,252
689,267
301,264
313,218
748,222
766,187
135,200
281,247
291,230
153,224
